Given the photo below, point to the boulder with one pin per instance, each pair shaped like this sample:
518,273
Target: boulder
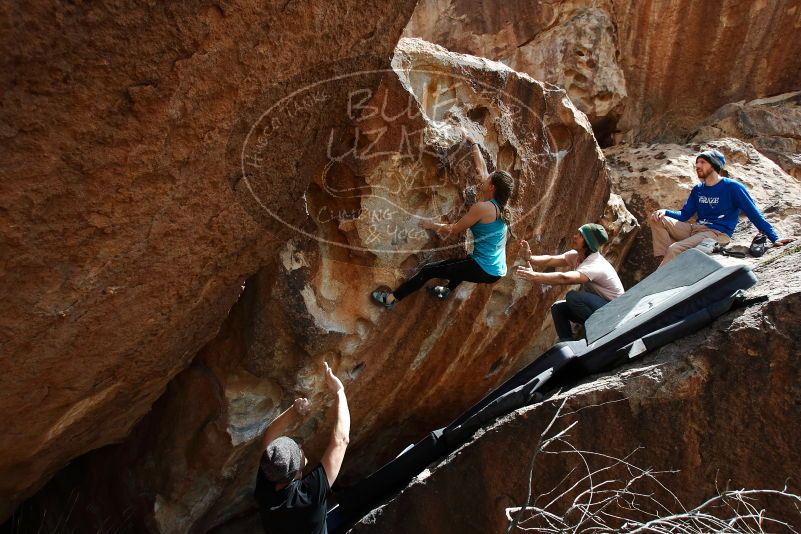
645,71
772,125
683,60
127,232
705,413
190,464
560,43
650,177
622,228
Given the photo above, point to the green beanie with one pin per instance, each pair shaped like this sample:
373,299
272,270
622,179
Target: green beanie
594,235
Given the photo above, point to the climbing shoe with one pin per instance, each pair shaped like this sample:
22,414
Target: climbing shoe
381,296
758,245
440,292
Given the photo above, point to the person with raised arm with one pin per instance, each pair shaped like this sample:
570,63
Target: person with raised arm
290,502
486,221
586,265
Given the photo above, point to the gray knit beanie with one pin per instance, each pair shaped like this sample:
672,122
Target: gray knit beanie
714,158
282,460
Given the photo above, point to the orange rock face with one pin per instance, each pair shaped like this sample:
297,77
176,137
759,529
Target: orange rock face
573,46
199,199
654,69
683,60
772,125
126,232
402,365
399,158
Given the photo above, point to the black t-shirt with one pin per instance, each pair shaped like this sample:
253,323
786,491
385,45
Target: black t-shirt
298,508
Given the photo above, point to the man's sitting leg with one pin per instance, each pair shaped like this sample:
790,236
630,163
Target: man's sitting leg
699,233
665,231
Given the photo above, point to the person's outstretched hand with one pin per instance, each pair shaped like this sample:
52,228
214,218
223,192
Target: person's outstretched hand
525,249
524,272
302,405
334,383
783,241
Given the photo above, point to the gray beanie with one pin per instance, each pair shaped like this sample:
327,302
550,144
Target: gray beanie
282,460
715,158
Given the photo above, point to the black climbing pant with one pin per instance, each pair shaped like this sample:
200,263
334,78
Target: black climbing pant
455,271
577,307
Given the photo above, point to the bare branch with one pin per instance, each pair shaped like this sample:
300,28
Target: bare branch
590,499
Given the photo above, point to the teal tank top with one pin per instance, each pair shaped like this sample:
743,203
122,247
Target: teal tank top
489,245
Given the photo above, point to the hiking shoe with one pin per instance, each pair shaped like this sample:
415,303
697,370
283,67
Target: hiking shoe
440,292
381,296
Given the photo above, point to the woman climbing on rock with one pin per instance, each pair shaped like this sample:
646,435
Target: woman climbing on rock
485,219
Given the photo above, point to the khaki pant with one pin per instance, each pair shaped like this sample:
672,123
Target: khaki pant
672,237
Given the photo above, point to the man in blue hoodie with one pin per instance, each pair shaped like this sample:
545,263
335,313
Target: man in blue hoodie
717,202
